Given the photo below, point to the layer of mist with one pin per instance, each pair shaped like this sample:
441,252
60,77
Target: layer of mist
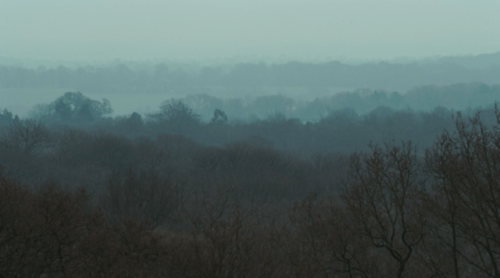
140,86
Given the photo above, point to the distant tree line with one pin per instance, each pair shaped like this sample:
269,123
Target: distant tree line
464,96
316,76
213,121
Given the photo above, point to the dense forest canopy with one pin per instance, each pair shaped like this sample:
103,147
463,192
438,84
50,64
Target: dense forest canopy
357,183
131,197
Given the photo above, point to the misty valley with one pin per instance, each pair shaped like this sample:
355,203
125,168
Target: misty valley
251,169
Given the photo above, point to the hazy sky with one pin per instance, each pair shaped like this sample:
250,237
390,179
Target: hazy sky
146,29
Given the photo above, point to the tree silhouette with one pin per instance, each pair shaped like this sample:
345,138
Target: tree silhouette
176,115
219,117
28,136
382,195
72,106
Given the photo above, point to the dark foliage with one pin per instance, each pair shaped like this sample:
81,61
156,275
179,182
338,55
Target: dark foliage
128,197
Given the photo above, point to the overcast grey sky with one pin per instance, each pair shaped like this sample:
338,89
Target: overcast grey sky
147,29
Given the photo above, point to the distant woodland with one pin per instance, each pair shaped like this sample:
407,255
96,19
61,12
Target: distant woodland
198,78
363,183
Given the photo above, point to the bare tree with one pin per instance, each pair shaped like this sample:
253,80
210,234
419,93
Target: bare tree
443,205
325,242
382,196
28,136
466,169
